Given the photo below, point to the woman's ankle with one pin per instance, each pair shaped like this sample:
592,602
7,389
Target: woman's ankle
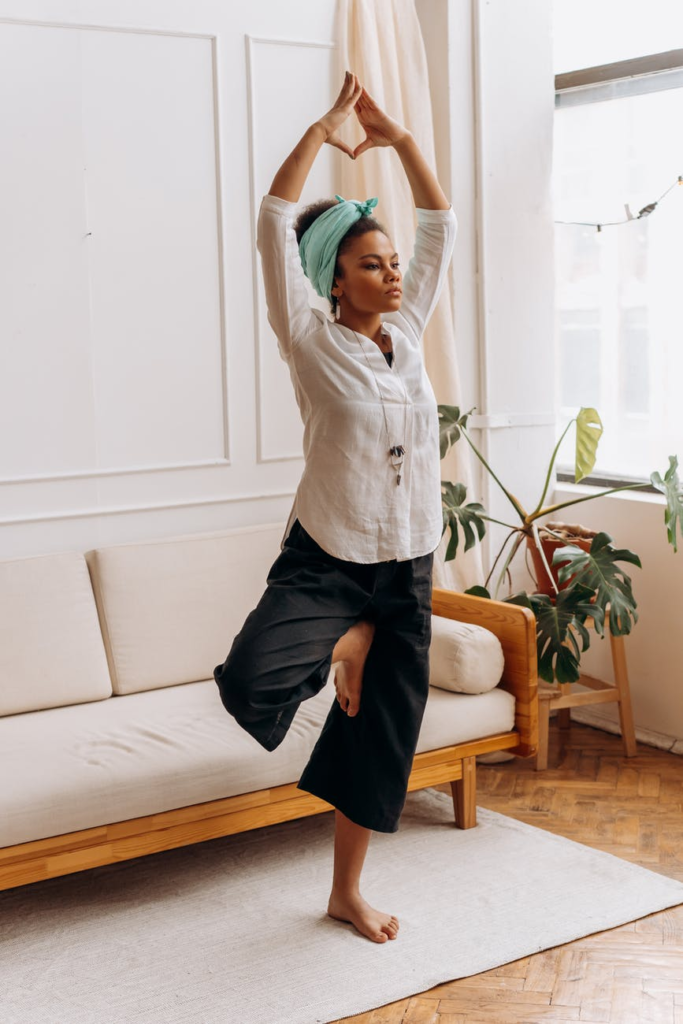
345,892
357,638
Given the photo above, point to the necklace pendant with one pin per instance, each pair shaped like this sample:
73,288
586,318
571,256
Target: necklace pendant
398,479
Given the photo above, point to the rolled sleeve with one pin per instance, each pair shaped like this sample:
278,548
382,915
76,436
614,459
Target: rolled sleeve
289,311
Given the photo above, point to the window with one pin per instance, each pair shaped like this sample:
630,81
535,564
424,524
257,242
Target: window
586,33
619,297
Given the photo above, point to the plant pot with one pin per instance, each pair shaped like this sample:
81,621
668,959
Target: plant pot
576,534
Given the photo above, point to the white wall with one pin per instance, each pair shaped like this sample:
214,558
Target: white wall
142,394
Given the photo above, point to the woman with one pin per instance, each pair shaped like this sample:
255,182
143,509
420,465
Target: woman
353,582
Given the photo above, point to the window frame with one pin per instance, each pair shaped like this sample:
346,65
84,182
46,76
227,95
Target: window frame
633,77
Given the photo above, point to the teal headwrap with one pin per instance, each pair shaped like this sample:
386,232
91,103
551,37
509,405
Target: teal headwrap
319,243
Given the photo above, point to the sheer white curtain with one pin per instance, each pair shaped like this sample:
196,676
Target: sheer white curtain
381,42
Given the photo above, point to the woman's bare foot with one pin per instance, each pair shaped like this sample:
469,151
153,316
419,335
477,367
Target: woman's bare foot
350,654
352,907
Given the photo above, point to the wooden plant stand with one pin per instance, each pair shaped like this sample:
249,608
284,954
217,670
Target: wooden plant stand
563,696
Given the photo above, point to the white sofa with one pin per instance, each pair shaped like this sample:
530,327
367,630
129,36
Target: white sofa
113,739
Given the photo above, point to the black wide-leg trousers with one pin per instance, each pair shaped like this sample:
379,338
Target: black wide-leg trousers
283,655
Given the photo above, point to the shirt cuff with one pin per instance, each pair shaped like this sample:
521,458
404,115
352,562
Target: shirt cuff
279,205
425,216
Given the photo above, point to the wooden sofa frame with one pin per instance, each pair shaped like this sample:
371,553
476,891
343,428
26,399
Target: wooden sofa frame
514,626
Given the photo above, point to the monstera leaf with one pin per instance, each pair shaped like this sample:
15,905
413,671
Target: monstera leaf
557,650
450,422
671,487
556,644
588,433
454,512
597,570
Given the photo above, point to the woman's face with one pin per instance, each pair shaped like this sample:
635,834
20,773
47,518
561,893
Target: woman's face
372,279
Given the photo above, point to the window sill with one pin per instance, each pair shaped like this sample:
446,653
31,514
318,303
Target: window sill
640,496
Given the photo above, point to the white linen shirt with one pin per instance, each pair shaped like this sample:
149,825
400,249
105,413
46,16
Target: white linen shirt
348,499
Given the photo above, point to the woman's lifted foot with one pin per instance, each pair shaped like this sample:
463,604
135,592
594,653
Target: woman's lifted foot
345,906
350,654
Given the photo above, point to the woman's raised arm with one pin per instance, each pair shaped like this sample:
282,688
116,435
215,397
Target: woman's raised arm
382,130
291,177
427,192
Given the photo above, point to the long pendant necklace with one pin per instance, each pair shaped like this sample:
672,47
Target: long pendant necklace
396,451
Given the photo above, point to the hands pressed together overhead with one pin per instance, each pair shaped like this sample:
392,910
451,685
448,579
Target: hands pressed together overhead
380,129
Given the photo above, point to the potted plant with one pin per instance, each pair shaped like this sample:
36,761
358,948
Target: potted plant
576,570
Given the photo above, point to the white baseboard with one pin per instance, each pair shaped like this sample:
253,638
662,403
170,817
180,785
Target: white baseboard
597,719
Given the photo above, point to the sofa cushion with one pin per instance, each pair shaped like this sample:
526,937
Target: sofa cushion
463,657
51,650
145,753
170,608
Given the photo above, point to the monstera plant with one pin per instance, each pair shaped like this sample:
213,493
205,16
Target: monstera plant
577,571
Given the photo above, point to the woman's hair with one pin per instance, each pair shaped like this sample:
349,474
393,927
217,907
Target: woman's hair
361,227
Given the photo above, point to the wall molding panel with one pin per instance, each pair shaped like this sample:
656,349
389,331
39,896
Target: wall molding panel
87,474
86,513
86,381
265,350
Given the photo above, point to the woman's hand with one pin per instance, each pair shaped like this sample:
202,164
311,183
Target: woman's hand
334,118
380,129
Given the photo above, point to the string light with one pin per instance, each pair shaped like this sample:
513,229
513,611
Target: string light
645,212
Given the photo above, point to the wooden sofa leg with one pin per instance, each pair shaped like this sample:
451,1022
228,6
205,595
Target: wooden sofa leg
464,792
543,731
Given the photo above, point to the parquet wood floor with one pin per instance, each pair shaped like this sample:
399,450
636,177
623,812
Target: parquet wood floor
630,807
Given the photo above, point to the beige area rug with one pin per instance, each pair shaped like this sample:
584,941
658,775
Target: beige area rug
234,931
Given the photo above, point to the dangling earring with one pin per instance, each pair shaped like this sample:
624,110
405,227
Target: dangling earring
337,311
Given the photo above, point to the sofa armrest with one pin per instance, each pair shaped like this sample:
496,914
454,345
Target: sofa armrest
515,627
